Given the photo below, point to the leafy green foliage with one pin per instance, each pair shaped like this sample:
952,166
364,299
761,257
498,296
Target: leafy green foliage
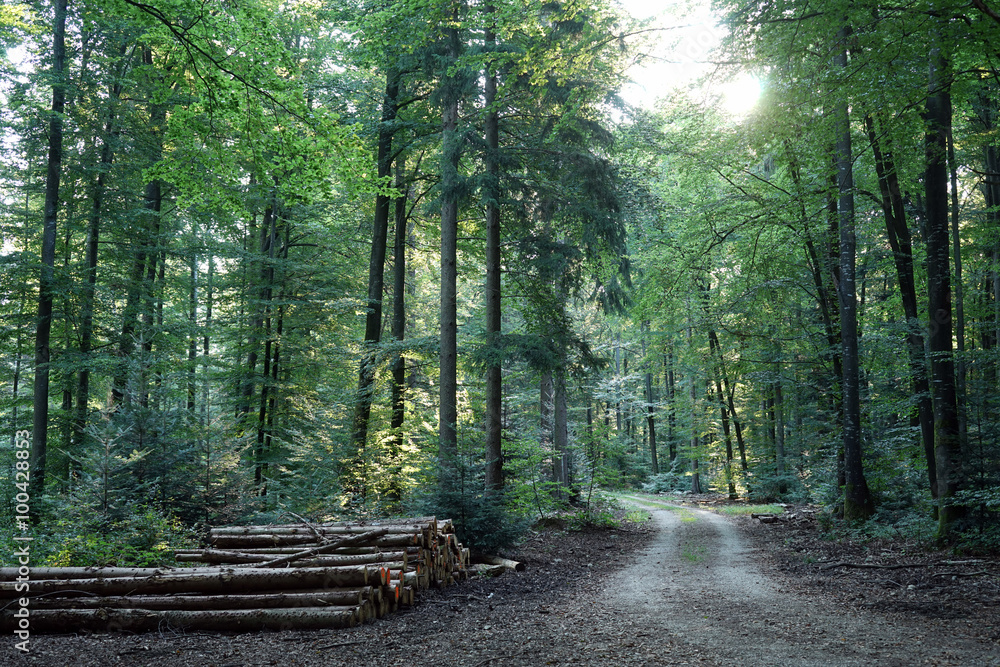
485,522
137,536
672,481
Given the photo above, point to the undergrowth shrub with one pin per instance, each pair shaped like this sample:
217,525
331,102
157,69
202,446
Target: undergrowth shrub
668,482
602,511
136,536
487,523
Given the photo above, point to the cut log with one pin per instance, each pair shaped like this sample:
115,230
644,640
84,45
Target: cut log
226,620
265,577
223,580
244,542
411,550
487,570
318,561
420,522
486,559
348,597
332,546
11,573
396,529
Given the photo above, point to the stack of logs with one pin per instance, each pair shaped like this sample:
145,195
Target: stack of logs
295,576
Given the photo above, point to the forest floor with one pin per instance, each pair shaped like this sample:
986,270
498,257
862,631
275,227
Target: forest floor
688,587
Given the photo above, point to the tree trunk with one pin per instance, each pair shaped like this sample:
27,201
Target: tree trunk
716,351
395,490
779,432
192,370
946,435
376,267
262,332
651,423
546,410
668,366
857,499
40,402
560,436
450,153
822,270
494,378
959,289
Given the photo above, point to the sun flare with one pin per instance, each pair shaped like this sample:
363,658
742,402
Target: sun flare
740,96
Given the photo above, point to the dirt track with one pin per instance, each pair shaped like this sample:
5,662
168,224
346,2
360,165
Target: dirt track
715,599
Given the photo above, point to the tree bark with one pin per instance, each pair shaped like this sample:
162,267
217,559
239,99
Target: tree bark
376,266
43,330
948,452
560,436
494,378
779,433
395,490
858,503
450,153
716,352
668,377
651,423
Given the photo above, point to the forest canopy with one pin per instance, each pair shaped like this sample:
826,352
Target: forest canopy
356,259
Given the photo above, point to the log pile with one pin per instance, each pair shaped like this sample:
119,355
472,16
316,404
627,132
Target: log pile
294,576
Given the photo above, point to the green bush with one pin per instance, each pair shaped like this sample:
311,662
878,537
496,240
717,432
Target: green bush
668,482
487,523
140,536
602,511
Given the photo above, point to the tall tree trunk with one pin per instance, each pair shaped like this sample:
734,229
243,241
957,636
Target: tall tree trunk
376,267
259,323
668,378
494,378
560,436
43,331
651,422
618,374
192,372
395,490
716,353
278,225
450,153
546,409
858,502
779,434
206,405
959,289
898,234
946,434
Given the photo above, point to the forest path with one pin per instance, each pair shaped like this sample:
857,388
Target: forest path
691,593
698,584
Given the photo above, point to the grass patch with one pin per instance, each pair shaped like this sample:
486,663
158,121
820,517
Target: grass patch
693,552
740,510
637,516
